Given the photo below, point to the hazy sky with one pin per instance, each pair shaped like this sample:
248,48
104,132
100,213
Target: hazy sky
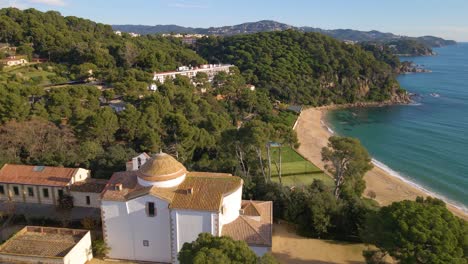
444,18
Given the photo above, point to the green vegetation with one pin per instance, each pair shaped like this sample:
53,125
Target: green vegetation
296,170
225,129
29,74
211,250
403,47
347,160
77,41
305,68
421,231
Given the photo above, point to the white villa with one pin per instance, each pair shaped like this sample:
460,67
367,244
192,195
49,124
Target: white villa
44,185
210,69
149,213
14,60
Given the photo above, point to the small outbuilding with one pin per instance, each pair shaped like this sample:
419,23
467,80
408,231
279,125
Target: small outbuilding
37,244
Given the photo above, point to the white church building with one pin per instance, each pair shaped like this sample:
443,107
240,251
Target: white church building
148,214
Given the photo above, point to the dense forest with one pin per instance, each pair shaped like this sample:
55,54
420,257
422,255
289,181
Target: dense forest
75,41
48,119
306,68
404,47
73,125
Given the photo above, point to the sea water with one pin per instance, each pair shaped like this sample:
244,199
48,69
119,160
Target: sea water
426,142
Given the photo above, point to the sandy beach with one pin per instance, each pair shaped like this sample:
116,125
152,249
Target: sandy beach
313,135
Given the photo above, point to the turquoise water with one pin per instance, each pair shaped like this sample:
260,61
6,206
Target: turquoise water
426,142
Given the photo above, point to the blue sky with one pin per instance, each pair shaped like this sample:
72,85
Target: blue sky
448,19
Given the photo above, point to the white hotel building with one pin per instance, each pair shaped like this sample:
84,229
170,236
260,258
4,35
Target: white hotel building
210,69
148,214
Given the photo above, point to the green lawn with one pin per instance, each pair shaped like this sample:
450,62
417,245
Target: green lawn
27,72
296,170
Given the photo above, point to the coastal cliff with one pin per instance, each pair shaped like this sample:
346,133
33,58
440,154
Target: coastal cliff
306,68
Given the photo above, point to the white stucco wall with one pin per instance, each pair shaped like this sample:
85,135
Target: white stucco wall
260,251
79,199
231,206
81,252
46,200
154,229
162,184
127,225
189,224
31,199
117,230
38,193
16,198
80,175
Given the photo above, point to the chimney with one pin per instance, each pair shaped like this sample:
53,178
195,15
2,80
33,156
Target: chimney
241,211
190,190
118,187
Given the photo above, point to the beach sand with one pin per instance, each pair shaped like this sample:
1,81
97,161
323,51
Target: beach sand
313,136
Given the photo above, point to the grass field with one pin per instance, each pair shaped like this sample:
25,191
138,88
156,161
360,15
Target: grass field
28,72
296,170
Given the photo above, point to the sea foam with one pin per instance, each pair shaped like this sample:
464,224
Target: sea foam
400,176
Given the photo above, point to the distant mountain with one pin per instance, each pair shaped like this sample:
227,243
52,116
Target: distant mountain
269,25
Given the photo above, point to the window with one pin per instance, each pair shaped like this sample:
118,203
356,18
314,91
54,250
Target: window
30,192
150,209
2,189
60,193
88,200
139,162
145,243
45,193
16,190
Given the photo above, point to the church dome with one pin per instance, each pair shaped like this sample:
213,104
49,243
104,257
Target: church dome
161,168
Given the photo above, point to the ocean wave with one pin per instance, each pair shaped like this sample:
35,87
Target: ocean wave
396,174
414,104
327,127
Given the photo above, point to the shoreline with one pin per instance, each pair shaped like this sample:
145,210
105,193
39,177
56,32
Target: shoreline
313,134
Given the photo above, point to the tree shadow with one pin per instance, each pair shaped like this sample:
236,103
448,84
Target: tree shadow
287,258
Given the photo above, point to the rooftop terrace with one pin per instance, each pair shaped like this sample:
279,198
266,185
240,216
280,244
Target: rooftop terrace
43,241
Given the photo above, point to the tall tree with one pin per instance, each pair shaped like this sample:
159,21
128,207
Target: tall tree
345,158
421,231
103,125
37,142
211,249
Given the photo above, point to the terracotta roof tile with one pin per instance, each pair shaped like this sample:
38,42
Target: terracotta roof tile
128,179
36,175
89,185
253,231
250,209
166,194
43,241
208,191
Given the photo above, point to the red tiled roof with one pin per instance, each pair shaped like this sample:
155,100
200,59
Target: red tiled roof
36,175
256,232
89,185
208,190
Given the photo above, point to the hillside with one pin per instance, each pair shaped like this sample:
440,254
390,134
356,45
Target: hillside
306,68
268,25
76,41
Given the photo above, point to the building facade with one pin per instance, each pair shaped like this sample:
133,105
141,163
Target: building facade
210,69
14,60
44,184
149,213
